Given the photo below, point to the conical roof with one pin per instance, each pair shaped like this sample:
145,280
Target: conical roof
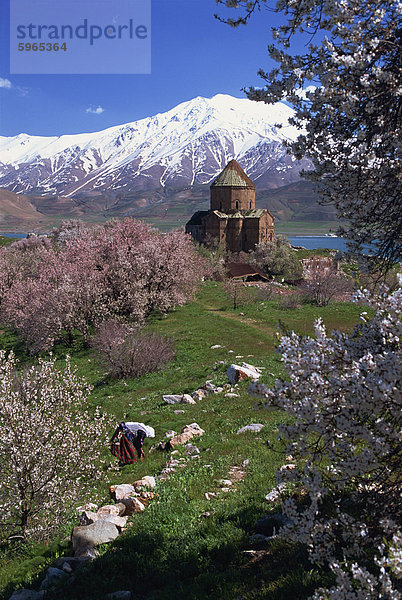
233,176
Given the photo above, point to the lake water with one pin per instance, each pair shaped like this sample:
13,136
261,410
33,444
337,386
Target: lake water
14,235
311,242
307,241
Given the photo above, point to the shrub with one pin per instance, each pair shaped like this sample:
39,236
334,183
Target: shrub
277,258
50,446
289,302
127,352
240,293
325,284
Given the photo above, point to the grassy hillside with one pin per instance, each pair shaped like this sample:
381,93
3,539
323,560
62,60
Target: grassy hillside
185,546
294,207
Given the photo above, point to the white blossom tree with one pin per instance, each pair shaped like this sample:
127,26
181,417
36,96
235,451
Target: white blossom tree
344,397
50,445
351,109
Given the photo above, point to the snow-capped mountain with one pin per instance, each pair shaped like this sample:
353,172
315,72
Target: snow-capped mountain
188,145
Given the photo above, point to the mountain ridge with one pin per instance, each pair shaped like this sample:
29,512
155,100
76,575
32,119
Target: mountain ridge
185,146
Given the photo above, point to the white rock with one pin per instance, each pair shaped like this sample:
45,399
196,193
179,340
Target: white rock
178,399
100,532
133,505
255,427
170,433
110,509
237,373
120,522
88,517
148,481
225,482
124,490
191,450
216,346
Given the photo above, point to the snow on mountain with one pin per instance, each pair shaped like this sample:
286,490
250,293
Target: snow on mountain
187,145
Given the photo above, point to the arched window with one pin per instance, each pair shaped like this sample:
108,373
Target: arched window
237,204
250,205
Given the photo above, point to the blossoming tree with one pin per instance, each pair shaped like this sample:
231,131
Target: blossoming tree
343,392
351,115
50,445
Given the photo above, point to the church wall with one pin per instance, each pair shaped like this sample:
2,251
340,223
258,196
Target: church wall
227,199
266,228
234,235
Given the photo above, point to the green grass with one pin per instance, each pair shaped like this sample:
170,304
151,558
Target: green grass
6,241
171,549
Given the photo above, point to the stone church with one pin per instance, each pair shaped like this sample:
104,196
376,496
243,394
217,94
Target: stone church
233,219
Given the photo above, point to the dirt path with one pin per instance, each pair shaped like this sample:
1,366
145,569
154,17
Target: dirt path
248,321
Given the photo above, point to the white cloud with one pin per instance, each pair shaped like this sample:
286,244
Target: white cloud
95,111
5,83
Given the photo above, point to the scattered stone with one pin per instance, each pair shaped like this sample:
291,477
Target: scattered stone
170,433
216,346
199,394
255,427
230,351
187,433
237,373
89,536
218,390
111,509
25,594
178,412
53,575
237,473
224,482
88,517
121,595
206,514
269,525
148,482
231,395
245,463
178,399
120,522
123,491
209,495
209,386
132,506
191,450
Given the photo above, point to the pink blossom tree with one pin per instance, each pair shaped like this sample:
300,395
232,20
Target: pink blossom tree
123,269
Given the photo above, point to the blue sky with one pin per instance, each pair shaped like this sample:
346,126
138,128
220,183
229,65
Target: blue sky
192,55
